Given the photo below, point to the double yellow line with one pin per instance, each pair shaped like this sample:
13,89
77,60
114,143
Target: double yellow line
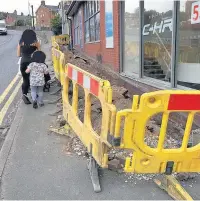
6,106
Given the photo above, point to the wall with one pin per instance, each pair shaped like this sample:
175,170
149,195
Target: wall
20,28
109,55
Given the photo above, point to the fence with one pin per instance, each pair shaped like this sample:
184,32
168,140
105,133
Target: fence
145,159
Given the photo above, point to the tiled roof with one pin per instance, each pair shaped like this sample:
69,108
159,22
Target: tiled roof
53,8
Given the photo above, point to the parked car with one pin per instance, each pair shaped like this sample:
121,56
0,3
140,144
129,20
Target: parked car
3,29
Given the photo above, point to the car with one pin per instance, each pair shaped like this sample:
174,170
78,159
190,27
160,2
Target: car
3,29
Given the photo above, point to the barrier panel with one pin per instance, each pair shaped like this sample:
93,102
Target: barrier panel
62,68
56,56
63,39
55,44
96,144
159,159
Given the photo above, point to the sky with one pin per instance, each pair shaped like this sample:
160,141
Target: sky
158,5
22,5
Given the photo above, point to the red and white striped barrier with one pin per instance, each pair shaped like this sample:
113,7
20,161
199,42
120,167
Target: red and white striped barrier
83,80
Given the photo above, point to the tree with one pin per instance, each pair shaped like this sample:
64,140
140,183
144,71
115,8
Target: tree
56,24
19,23
3,15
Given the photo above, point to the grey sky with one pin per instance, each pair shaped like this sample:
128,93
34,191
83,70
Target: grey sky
158,5
22,5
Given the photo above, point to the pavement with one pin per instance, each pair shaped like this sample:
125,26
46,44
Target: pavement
35,166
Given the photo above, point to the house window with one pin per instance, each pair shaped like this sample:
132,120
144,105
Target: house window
92,21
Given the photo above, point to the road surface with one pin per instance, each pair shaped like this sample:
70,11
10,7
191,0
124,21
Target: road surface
8,58
9,82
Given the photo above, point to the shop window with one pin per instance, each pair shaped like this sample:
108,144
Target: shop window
87,34
92,21
188,69
131,36
157,35
97,27
92,31
77,28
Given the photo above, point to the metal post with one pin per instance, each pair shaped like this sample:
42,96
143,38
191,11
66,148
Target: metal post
122,34
141,42
175,43
33,17
62,11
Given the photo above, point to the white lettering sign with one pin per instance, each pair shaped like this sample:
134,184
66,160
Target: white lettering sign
159,28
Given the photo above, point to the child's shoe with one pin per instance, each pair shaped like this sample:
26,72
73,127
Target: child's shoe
35,105
41,104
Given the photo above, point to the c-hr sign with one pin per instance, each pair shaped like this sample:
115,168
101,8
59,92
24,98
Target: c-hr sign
195,13
158,27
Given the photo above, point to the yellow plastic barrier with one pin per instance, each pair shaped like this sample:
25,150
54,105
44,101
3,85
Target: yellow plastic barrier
96,144
158,160
56,56
62,68
55,44
63,39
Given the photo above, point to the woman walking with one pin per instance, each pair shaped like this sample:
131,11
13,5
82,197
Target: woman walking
27,45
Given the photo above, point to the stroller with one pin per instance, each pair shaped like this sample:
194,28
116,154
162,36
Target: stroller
47,85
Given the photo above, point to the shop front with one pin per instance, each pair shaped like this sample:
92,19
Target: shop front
161,42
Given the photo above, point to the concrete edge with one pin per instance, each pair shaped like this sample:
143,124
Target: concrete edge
7,145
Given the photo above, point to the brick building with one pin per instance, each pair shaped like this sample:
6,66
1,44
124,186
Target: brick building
13,19
141,40
44,15
93,40
10,19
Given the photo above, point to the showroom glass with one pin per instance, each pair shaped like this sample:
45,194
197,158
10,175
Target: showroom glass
188,69
131,37
157,36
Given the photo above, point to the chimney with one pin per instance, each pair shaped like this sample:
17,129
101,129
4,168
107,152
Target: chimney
43,3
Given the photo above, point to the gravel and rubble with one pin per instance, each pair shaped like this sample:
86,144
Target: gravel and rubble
122,100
